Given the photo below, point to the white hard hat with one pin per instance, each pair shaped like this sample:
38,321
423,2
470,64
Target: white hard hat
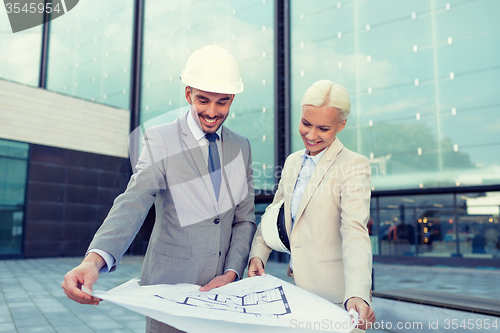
213,69
272,226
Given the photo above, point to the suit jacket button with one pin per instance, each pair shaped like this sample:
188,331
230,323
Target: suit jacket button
216,221
219,253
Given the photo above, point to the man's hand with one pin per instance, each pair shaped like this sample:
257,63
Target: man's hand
366,314
85,274
219,281
256,267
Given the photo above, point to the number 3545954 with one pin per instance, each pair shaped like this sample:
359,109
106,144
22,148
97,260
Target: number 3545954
470,324
32,8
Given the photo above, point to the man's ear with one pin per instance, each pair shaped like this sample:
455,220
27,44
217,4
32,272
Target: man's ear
187,93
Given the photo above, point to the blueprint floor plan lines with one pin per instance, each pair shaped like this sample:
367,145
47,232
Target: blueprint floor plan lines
263,304
271,302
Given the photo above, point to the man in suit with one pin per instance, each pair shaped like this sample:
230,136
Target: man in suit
198,174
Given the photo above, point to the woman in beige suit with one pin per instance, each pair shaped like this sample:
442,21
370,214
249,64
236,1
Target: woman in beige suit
326,191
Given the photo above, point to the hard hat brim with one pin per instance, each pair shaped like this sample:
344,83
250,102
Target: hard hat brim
269,227
216,87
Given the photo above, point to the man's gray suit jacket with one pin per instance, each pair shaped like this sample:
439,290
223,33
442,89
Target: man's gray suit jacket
195,238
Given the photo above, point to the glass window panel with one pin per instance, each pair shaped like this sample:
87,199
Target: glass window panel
416,79
20,53
90,52
396,103
373,227
420,135
404,34
12,181
383,12
469,122
395,70
479,225
320,23
469,125
465,19
470,92
13,171
11,230
13,149
471,60
473,173
417,225
175,29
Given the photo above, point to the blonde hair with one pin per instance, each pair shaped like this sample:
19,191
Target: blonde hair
328,93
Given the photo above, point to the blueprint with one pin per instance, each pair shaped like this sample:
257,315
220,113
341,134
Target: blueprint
266,304
271,302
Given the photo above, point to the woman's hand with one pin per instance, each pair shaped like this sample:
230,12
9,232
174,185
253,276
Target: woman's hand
366,314
256,267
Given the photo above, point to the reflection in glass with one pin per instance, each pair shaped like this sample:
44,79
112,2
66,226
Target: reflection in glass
417,225
479,226
423,98
13,169
175,29
433,226
373,227
90,52
19,53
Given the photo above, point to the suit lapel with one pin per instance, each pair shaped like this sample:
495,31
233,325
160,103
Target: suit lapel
319,173
226,153
194,149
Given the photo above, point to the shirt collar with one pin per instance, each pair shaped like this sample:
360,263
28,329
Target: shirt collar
315,158
196,130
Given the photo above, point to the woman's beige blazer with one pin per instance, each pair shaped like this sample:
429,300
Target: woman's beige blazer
330,245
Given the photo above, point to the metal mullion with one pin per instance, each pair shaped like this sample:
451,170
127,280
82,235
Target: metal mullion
136,72
42,79
282,139
287,78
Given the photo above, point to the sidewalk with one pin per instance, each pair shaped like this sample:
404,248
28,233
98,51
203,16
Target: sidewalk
32,299
479,282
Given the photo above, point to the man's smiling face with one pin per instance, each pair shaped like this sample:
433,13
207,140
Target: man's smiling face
209,109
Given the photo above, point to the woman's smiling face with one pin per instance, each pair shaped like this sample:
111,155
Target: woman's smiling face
319,126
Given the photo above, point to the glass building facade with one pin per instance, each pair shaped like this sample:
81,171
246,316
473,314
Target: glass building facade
13,170
19,53
89,54
421,91
422,77
175,29
437,225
